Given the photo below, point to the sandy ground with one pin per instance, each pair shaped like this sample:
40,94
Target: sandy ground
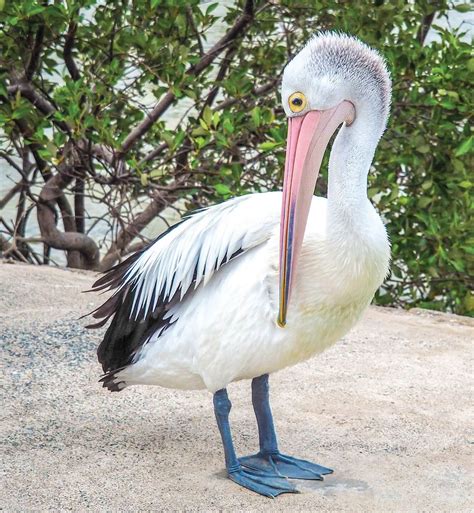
387,408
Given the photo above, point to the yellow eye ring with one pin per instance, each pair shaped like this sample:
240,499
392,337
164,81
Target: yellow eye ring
297,102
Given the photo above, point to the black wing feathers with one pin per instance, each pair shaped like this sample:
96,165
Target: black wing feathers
124,335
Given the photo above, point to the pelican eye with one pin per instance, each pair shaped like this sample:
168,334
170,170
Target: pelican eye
297,102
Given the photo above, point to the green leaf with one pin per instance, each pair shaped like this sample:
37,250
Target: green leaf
462,7
215,119
464,147
228,126
201,142
35,10
424,202
156,173
427,184
200,130
3,90
211,7
268,146
256,116
222,189
207,116
45,154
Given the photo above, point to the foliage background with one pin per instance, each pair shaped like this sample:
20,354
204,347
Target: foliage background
88,90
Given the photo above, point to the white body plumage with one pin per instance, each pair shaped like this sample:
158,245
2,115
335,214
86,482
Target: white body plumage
264,281
226,330
199,307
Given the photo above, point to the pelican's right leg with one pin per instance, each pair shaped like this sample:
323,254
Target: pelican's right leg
263,482
269,457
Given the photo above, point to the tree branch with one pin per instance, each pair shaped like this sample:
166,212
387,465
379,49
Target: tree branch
35,53
147,123
10,194
425,27
153,153
190,18
40,102
67,52
68,241
131,231
219,78
79,206
12,163
34,147
235,31
256,91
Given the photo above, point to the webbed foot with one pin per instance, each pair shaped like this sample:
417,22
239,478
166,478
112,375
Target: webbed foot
265,483
285,466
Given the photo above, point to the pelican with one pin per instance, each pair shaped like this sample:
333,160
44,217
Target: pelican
264,281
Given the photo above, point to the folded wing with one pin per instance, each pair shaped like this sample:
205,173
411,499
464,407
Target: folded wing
183,258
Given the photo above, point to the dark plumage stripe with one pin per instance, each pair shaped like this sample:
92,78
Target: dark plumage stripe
124,335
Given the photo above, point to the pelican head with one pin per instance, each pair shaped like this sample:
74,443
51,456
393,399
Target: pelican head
334,79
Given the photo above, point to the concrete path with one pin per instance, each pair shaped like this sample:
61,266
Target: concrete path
387,408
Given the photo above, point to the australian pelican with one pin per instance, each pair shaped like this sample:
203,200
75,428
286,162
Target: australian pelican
264,281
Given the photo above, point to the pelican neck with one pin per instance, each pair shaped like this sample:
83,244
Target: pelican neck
349,163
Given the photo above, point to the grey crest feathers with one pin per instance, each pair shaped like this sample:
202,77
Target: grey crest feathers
351,57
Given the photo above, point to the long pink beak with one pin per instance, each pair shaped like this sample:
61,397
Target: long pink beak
308,137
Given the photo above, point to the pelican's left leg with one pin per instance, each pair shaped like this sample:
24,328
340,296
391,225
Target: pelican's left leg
269,457
262,482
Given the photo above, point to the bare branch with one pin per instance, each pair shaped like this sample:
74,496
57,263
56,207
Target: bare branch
425,27
81,250
257,91
40,102
69,241
147,123
34,147
79,207
34,59
10,194
219,78
67,53
192,24
22,251
235,31
154,153
12,163
131,231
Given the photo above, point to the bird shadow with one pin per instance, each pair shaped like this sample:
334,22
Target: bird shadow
330,486
333,485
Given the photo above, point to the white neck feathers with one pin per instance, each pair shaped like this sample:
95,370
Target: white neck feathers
349,164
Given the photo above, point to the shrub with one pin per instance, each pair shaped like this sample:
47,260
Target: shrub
79,126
